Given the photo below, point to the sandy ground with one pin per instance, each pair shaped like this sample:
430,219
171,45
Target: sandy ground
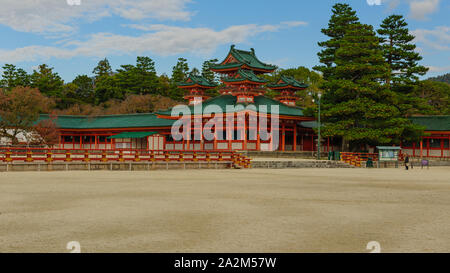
295,210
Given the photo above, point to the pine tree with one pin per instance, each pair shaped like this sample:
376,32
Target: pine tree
180,71
357,107
47,81
343,16
206,70
179,74
103,68
399,52
13,76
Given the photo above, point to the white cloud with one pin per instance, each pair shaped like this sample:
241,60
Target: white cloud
374,2
53,16
161,40
294,23
436,39
439,68
421,8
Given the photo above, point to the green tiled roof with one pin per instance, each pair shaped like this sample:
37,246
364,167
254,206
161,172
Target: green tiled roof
310,124
228,100
244,57
243,75
433,123
288,81
133,135
110,121
194,79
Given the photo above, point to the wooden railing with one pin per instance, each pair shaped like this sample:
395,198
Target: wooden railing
358,159
10,155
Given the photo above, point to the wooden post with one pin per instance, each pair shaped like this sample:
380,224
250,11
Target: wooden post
258,137
8,156
29,156
283,137
68,158
181,157
295,138
49,158
245,132
421,148
166,156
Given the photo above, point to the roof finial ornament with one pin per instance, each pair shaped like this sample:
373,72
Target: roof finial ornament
232,46
253,50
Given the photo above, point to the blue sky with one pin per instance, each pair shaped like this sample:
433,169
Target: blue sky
72,38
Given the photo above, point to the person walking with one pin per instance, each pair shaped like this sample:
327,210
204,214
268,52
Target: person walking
407,162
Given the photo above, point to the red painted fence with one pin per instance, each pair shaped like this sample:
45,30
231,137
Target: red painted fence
9,155
358,159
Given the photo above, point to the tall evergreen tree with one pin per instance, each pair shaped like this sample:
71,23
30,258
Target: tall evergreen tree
343,16
399,52
147,80
84,88
103,68
195,71
105,83
179,74
357,107
47,81
8,77
180,71
13,76
206,70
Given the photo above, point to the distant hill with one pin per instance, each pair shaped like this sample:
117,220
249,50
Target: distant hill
442,78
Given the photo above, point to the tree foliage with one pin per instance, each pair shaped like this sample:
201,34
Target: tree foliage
48,82
45,132
19,110
357,107
302,74
343,16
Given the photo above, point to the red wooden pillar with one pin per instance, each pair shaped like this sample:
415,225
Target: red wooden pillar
258,138
283,137
442,147
421,148
428,147
295,138
328,144
215,138
245,133
449,145
303,147
414,149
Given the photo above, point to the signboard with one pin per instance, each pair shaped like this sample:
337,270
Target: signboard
386,153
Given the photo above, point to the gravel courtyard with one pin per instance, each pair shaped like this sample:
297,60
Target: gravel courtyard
256,210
